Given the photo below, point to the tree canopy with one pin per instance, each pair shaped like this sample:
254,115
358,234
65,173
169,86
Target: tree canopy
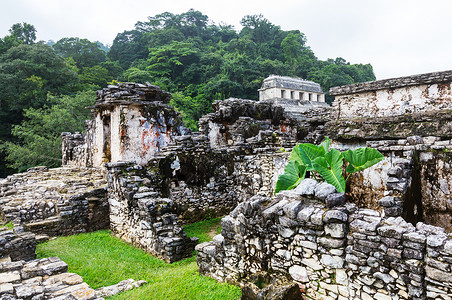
187,54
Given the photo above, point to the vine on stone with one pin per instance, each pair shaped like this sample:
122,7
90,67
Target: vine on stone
320,160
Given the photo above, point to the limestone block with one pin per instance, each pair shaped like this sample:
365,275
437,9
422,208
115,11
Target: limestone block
380,296
305,214
335,199
331,242
436,240
332,261
317,217
292,208
307,187
335,230
341,277
448,247
299,274
392,231
308,244
312,263
120,287
10,277
80,291
384,277
438,275
6,288
324,189
28,290
334,216
415,237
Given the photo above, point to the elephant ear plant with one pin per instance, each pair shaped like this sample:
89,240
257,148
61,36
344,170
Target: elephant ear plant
326,163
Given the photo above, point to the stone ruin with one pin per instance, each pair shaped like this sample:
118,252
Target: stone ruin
22,276
284,87
387,238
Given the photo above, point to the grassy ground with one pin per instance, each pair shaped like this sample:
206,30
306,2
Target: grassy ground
104,260
8,225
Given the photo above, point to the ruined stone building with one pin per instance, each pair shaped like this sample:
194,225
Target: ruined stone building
283,87
387,238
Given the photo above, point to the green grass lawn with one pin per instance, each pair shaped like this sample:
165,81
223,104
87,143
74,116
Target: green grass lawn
104,260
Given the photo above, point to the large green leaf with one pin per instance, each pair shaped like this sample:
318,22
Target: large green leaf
294,173
330,168
305,154
326,144
362,158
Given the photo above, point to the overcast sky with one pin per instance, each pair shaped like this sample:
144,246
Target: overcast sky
398,37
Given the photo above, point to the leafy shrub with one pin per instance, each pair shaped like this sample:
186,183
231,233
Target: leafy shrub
326,163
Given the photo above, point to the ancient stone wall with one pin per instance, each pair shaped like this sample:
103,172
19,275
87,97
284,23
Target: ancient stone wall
331,248
15,244
415,171
237,122
408,120
205,182
239,152
397,96
45,278
56,201
139,215
131,122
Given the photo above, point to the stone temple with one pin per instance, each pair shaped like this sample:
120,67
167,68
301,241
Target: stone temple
139,172
283,87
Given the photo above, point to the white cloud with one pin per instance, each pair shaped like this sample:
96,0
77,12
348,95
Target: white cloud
397,37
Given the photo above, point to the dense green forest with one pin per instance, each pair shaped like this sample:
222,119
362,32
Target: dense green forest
44,87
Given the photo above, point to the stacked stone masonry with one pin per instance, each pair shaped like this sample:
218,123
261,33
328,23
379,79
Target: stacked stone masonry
47,278
139,216
16,244
331,248
175,176
55,202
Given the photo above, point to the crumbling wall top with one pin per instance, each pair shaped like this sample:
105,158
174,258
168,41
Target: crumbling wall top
427,78
128,93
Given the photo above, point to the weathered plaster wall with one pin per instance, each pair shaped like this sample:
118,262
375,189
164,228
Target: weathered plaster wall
131,122
332,249
407,119
398,96
436,182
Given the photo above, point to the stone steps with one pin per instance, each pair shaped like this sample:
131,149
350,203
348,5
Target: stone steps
49,226
45,278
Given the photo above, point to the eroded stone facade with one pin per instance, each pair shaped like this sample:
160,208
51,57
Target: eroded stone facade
131,122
